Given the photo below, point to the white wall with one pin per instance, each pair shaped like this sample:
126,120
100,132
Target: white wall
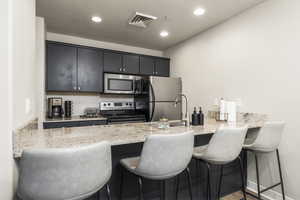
6,169
41,67
24,63
101,44
255,57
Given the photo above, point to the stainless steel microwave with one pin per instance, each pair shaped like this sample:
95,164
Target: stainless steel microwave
121,84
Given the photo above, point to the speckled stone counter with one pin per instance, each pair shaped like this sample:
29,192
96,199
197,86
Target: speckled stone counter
32,138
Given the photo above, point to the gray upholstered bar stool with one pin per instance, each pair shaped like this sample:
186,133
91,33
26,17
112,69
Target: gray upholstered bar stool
266,141
64,174
224,147
163,157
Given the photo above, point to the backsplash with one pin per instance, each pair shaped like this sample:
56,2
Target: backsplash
82,101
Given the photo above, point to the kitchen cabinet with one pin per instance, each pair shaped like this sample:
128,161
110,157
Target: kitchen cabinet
113,62
61,67
48,125
90,70
121,63
147,65
131,64
74,68
162,67
154,66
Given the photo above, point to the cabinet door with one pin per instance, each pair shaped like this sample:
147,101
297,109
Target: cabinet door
147,65
162,67
61,67
90,70
113,62
131,64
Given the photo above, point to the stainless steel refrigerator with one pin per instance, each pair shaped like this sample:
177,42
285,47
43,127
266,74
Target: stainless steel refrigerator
162,94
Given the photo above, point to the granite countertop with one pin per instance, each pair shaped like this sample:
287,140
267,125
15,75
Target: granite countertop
118,134
74,119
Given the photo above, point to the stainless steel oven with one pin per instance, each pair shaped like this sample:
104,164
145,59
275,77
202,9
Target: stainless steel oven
121,84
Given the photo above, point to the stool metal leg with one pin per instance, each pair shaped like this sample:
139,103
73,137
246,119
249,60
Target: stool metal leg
140,188
280,174
108,192
188,174
220,182
257,176
242,177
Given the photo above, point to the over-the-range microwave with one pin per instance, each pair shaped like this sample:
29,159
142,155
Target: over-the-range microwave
122,84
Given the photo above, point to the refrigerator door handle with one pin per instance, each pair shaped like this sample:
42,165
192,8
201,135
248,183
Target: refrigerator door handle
152,101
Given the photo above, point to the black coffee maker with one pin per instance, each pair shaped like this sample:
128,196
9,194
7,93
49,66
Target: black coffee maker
55,107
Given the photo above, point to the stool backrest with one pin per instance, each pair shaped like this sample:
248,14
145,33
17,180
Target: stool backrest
226,144
73,173
166,155
269,137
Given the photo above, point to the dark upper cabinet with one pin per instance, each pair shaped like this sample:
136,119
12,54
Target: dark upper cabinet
112,62
162,67
90,70
147,65
61,67
131,64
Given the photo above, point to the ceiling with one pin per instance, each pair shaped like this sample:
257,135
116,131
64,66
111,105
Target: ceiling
73,17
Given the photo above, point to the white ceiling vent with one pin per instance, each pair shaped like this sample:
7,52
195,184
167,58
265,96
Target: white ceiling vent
141,20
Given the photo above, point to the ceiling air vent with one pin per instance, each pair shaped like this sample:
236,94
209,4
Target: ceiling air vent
141,20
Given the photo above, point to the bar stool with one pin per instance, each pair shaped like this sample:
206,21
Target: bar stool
267,141
60,174
163,157
223,148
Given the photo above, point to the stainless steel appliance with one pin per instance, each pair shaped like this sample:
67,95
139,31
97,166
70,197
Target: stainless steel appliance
120,112
55,107
121,84
161,96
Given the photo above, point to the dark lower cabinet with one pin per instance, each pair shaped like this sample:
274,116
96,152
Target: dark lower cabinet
48,125
61,67
90,70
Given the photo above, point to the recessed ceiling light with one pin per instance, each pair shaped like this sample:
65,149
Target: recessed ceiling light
164,33
199,11
96,19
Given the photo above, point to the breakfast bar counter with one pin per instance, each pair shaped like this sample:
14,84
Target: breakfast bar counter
118,134
127,141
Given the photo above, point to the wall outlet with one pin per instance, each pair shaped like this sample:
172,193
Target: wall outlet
27,105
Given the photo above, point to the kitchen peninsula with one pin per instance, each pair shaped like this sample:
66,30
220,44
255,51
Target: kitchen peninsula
127,141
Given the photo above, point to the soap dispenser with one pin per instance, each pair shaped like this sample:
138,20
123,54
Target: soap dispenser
200,117
195,119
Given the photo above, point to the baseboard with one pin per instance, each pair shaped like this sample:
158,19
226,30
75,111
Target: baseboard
269,195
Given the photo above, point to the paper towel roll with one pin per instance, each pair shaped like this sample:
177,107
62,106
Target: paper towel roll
231,110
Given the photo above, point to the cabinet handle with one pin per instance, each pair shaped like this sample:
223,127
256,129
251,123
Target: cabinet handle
120,69
78,88
124,69
74,87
